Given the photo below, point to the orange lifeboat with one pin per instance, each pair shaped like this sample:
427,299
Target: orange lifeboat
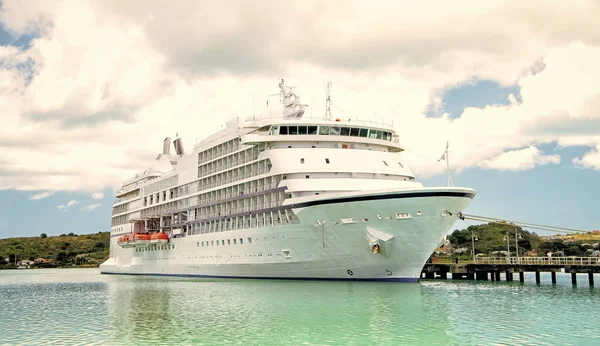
159,238
124,241
140,239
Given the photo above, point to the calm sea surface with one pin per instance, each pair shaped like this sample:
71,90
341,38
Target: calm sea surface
80,306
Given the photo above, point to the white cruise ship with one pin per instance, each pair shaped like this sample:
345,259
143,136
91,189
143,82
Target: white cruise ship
282,197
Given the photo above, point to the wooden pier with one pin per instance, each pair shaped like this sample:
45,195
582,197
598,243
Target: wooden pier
491,268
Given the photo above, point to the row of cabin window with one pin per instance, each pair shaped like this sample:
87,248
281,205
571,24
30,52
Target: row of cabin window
155,247
334,131
212,242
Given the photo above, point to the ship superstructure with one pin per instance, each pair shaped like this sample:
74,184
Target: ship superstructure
282,197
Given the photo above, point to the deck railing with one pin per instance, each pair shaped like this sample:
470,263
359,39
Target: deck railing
539,260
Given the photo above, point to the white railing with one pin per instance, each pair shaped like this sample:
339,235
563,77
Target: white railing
539,260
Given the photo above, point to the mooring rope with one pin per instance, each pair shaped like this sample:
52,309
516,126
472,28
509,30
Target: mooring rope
518,223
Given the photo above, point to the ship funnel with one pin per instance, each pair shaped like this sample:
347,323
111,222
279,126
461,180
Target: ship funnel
167,146
178,146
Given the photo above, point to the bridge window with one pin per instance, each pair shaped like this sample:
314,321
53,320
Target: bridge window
324,130
373,133
364,133
345,131
312,130
283,130
302,130
292,130
334,131
354,132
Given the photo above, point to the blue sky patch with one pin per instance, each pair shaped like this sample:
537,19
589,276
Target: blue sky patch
477,94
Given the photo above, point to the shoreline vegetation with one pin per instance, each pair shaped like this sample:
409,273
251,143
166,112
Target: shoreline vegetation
501,239
495,239
64,251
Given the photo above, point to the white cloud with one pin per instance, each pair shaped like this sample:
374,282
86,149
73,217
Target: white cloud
69,204
103,68
41,195
589,160
98,195
520,160
91,207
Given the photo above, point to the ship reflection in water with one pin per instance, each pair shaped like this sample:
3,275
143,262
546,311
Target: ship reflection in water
58,306
270,312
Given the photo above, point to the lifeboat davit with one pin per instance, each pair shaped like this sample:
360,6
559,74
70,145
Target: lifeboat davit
159,238
124,241
140,239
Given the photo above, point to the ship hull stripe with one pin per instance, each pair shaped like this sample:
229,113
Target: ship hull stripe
271,278
383,197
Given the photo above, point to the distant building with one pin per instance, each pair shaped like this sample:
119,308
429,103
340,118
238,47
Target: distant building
42,261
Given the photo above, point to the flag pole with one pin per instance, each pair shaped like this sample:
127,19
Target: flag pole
448,165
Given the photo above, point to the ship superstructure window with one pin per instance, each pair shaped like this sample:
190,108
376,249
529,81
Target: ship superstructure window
331,130
302,160
234,242
326,160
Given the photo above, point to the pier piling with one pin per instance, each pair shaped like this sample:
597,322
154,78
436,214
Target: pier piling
495,266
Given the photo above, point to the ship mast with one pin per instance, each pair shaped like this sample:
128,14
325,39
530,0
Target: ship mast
448,164
328,102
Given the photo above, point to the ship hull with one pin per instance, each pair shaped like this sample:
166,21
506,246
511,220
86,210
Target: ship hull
333,241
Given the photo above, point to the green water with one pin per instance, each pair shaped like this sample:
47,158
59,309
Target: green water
82,307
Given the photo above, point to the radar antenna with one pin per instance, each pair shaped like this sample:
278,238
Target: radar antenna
328,102
292,107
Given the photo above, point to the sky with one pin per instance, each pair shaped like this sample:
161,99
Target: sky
89,89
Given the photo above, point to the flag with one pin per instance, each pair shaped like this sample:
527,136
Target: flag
443,157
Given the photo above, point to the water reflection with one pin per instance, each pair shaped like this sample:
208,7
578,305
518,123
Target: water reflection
82,307
234,311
